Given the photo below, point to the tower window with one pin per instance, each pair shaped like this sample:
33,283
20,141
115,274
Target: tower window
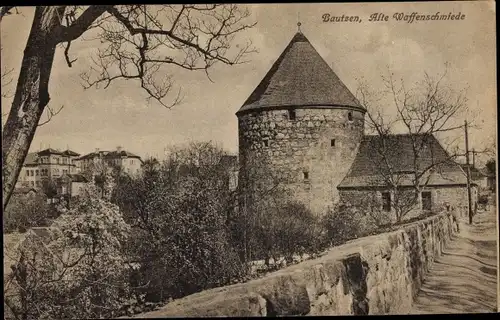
291,114
266,143
332,143
386,201
306,175
349,116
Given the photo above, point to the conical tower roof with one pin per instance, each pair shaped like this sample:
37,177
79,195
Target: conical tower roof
300,78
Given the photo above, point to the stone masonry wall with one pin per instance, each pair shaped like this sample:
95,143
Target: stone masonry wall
456,196
292,147
380,274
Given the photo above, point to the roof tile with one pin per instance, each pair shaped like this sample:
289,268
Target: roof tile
300,77
369,165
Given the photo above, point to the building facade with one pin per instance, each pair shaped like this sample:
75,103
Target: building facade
128,162
302,125
46,164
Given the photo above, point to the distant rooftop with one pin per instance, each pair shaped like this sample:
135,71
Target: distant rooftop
110,154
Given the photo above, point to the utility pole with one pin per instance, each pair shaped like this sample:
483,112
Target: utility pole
468,171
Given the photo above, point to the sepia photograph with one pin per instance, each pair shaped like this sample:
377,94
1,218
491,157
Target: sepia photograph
238,160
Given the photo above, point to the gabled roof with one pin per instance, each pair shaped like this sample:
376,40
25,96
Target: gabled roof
121,153
371,162
300,77
49,151
70,153
74,177
24,190
93,155
31,159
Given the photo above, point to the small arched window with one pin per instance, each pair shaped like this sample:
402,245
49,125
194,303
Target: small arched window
349,116
291,114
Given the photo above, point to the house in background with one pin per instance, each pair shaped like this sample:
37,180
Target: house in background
484,179
127,161
29,177
46,164
70,184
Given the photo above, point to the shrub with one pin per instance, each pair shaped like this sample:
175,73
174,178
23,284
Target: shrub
26,211
77,270
345,222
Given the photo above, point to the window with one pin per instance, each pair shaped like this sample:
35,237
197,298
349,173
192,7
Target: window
349,116
37,172
65,160
291,114
57,160
306,175
28,173
266,143
37,183
332,143
426,201
386,201
32,173
32,183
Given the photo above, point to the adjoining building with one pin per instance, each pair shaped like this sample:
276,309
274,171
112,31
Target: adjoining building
444,186
481,177
70,185
303,125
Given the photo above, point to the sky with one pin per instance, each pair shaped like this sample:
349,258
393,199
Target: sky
121,116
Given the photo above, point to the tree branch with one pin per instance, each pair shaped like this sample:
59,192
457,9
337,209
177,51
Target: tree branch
50,114
82,24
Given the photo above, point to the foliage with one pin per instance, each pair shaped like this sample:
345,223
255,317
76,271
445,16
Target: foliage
345,222
49,187
491,166
179,212
76,270
296,230
25,211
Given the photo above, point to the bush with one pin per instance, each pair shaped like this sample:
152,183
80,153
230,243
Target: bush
26,211
345,222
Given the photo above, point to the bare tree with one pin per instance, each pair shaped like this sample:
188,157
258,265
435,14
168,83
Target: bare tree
139,43
424,111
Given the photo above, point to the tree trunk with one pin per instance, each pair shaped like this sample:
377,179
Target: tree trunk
32,95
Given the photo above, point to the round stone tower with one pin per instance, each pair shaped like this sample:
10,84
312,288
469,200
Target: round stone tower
303,124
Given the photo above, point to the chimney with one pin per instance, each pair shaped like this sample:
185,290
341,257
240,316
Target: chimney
119,148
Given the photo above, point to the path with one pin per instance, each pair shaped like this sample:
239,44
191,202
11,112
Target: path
464,278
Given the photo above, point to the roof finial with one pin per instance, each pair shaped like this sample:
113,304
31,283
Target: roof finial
298,21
